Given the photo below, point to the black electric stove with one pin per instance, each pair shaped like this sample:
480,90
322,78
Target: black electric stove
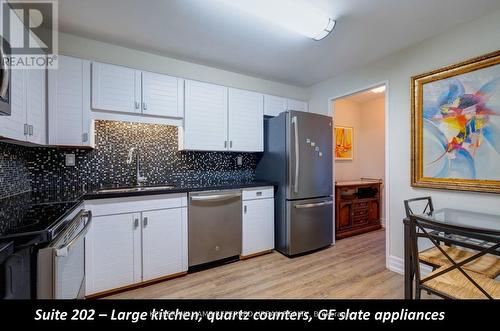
34,215
29,222
44,220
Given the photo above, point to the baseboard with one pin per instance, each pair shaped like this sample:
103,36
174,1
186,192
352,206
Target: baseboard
396,264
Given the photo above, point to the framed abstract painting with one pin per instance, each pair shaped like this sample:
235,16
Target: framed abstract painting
456,126
343,143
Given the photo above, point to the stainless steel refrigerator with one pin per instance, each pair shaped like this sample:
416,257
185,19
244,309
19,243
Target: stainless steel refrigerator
298,156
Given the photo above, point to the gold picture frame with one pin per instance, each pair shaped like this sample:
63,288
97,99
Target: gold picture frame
418,178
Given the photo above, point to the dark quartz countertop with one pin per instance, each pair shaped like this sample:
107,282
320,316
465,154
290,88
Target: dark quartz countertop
22,211
98,193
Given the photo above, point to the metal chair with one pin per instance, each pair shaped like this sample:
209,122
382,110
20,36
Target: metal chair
453,280
488,266
428,209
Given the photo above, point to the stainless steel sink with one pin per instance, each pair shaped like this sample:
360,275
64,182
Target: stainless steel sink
136,189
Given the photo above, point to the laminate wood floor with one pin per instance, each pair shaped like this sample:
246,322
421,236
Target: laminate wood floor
352,269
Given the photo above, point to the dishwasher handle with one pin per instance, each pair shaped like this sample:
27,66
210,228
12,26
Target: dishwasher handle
215,197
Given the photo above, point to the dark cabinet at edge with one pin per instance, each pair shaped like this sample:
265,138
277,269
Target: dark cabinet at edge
355,215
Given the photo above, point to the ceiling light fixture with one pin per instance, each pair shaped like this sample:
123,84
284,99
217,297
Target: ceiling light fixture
379,89
294,15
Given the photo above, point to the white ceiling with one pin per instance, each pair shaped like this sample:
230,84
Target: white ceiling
210,33
364,96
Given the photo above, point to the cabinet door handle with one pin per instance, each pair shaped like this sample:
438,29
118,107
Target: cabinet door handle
26,129
136,223
30,129
230,144
85,137
137,105
225,144
144,106
245,209
145,222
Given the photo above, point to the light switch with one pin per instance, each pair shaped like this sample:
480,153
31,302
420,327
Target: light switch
70,160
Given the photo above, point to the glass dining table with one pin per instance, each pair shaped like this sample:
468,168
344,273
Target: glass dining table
465,219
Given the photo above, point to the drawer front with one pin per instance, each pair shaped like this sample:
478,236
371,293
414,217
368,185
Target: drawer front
258,193
360,219
101,207
360,213
361,205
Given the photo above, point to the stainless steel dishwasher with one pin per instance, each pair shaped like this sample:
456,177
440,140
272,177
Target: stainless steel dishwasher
214,226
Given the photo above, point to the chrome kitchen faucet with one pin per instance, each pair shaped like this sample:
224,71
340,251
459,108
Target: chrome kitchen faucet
139,179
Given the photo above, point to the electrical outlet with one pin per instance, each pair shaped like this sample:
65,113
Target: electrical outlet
239,160
70,160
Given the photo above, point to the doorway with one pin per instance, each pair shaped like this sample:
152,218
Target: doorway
360,162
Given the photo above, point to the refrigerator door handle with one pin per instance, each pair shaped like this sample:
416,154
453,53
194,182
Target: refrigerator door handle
297,155
314,205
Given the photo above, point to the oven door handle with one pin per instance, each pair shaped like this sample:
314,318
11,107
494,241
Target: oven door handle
64,250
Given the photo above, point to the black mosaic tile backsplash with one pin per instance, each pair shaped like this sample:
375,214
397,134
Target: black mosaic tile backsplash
107,164
14,173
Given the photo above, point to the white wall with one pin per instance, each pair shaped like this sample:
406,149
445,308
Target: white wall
372,139
461,43
368,121
372,146
98,51
348,113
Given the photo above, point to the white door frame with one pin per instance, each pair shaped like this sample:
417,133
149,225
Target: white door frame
387,155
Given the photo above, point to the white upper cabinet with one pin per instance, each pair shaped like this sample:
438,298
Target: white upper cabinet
36,114
297,105
126,90
162,95
205,117
69,114
15,126
116,88
273,105
217,118
28,119
246,121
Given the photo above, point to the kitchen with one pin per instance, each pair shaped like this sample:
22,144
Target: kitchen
137,169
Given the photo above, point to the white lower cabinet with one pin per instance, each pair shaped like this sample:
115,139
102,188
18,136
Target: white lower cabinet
258,221
112,252
134,240
164,235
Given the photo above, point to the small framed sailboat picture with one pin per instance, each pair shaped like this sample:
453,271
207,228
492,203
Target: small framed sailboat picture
456,126
343,143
